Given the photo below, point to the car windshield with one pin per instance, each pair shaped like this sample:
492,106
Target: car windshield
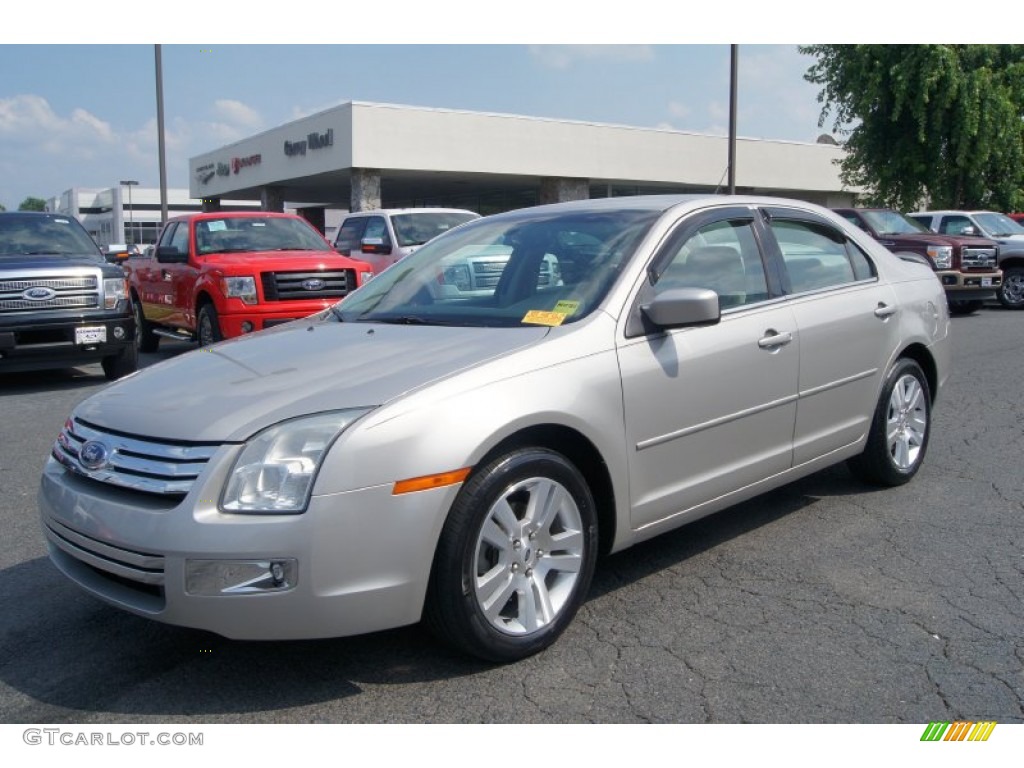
239,234
44,235
418,227
998,225
893,223
540,268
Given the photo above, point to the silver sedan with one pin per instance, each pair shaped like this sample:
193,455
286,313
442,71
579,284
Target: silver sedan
459,439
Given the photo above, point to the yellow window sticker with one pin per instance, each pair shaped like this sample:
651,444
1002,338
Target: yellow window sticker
538,317
566,307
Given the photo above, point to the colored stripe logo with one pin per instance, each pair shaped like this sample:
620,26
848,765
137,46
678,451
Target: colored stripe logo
959,731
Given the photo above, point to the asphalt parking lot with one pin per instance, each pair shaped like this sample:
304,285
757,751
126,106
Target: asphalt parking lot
825,601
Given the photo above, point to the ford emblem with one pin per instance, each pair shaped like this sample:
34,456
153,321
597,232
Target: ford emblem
313,284
94,455
38,293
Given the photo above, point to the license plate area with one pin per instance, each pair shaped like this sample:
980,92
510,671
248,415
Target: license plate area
986,282
91,334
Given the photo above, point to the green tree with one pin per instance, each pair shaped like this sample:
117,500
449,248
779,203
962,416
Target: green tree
32,204
927,124
3,207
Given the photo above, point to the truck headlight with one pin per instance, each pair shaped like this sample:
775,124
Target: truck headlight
941,255
275,471
115,289
365,277
243,288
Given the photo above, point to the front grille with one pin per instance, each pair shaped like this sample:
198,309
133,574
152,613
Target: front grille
138,567
290,286
71,292
135,463
978,258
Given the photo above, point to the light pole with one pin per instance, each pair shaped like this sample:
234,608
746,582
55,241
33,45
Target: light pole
131,213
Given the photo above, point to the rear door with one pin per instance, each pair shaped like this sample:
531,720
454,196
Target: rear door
848,321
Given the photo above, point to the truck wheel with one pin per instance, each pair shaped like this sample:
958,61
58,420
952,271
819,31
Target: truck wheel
1011,294
145,339
209,326
515,558
900,428
964,306
121,364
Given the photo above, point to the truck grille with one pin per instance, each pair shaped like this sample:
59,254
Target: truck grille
68,293
978,258
136,463
292,286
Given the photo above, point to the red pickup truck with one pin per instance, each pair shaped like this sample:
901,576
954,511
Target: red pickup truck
217,275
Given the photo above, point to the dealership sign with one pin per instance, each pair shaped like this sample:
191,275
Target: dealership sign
312,141
238,163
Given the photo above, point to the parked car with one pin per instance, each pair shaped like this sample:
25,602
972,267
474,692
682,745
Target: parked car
61,304
965,265
996,226
222,274
414,453
382,237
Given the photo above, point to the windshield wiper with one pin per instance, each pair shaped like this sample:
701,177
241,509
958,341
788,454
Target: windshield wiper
402,320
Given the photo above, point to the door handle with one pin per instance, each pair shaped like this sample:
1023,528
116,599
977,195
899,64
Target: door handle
884,310
772,339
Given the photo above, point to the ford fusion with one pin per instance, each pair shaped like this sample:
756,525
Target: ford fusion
459,439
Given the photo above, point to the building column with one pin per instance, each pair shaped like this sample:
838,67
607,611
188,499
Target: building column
315,215
211,204
365,190
272,199
561,190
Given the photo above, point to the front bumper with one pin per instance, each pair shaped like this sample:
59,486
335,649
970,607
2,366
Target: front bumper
360,559
970,286
52,343
252,318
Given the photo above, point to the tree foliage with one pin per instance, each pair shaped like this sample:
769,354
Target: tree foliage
32,204
937,125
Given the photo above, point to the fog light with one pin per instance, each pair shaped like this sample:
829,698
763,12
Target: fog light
240,577
246,326
118,332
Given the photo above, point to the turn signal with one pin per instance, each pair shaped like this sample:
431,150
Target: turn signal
427,482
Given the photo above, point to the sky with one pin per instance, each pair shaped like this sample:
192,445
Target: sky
84,115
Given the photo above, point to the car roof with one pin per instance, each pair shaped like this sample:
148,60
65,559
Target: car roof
233,215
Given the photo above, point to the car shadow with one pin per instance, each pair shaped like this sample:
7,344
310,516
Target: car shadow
73,654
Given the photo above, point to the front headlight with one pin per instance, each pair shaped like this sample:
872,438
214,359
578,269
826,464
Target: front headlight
275,471
942,255
115,289
243,288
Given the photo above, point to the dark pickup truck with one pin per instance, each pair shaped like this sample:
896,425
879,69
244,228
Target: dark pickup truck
61,304
966,266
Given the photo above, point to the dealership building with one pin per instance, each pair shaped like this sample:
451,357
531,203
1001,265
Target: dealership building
361,156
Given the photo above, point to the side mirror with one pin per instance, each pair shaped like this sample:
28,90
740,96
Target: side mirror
682,307
169,254
375,245
970,231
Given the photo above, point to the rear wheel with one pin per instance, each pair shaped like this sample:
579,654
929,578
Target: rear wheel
900,428
1011,293
209,326
145,339
515,558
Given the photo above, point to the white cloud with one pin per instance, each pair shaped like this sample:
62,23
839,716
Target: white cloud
564,56
236,113
29,119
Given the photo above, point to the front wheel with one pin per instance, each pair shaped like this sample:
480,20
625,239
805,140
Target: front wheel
145,339
1011,293
209,326
515,558
900,428
121,364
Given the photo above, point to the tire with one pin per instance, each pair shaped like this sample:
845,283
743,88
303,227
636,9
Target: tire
116,366
965,307
145,339
208,330
1011,292
900,428
515,558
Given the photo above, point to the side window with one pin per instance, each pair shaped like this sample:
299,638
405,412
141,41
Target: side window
955,225
854,219
168,235
817,256
376,227
722,256
349,234
180,238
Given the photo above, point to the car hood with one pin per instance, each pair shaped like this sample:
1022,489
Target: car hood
231,390
261,260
